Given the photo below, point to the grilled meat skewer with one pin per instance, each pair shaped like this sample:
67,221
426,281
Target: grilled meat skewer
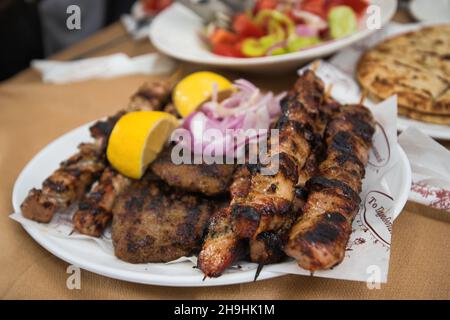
299,127
76,175
318,239
95,208
222,246
65,185
267,247
261,208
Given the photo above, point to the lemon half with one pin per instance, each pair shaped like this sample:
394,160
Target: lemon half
196,88
136,140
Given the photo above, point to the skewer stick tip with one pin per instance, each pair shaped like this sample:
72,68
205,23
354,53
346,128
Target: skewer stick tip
328,90
258,271
174,77
363,96
315,65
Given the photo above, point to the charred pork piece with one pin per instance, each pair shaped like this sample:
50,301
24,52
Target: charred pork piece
209,179
318,239
222,246
150,96
66,185
95,209
153,222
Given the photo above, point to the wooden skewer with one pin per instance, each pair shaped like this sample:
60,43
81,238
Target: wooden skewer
328,91
315,65
363,96
174,77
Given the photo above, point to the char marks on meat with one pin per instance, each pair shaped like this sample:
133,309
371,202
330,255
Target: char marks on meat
156,223
209,179
318,239
66,185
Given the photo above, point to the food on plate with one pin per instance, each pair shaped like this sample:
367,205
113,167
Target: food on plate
153,7
136,140
426,117
197,88
209,179
276,27
162,211
222,246
155,223
95,207
66,185
319,238
416,67
261,206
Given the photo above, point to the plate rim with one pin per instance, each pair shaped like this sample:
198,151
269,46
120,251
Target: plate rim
310,53
49,242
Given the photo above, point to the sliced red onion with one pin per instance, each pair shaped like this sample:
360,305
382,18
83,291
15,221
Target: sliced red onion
246,108
311,19
304,30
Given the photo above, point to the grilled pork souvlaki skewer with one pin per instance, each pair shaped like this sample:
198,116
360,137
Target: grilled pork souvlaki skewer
265,215
254,199
267,247
75,175
95,208
318,239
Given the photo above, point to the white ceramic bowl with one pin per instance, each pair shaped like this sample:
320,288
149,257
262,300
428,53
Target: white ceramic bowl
176,31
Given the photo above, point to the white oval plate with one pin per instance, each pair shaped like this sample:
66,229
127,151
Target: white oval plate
423,11
88,255
176,32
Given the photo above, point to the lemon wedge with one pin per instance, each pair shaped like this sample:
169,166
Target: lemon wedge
196,88
136,140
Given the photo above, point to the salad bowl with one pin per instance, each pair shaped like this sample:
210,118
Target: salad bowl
177,32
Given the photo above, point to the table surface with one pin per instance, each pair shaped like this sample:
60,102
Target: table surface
33,113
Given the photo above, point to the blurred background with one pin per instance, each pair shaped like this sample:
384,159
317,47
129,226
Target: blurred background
35,29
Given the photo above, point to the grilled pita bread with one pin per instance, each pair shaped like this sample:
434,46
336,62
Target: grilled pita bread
416,67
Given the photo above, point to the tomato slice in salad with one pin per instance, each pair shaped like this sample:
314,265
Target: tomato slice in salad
155,6
223,36
245,27
265,4
228,49
322,7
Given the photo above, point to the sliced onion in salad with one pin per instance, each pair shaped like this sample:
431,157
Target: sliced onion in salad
246,108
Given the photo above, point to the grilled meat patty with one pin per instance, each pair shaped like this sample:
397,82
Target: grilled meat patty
318,239
153,222
209,179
